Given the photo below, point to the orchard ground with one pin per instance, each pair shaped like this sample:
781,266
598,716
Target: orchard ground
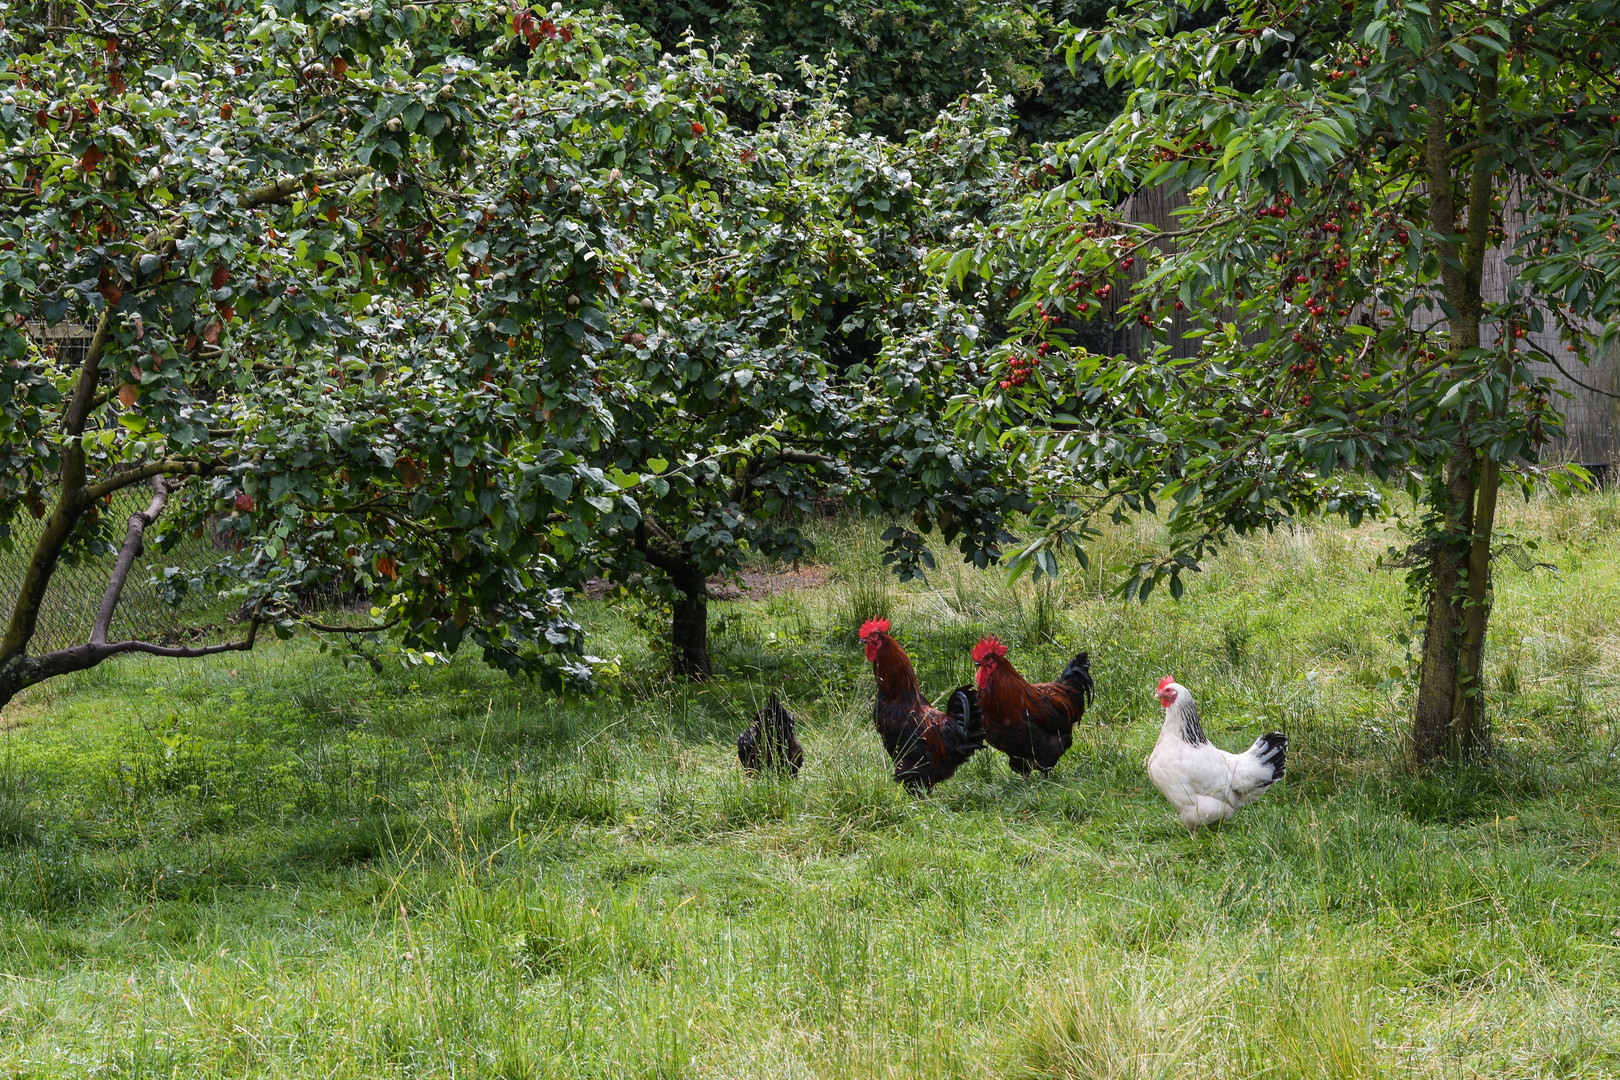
274,865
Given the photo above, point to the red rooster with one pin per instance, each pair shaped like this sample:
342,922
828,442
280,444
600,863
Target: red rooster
926,745
1032,725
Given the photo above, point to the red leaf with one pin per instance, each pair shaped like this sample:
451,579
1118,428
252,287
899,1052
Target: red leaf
219,277
112,44
110,290
91,157
211,333
115,80
340,67
244,503
567,34
42,118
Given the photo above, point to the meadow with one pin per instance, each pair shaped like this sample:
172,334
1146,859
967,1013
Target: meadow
277,865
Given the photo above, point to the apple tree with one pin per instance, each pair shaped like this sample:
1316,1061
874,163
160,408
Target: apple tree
448,308
277,222
735,399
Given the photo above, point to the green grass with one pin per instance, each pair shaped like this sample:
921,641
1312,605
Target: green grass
273,865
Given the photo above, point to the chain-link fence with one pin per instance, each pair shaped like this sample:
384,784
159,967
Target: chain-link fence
165,600
158,603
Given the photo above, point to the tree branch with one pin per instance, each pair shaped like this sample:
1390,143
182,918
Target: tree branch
282,190
329,628
1555,362
80,657
660,551
127,555
799,457
1553,185
129,477
84,392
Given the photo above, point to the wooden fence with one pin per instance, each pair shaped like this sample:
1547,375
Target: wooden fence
1591,412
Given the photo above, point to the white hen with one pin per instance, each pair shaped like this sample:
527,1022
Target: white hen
1203,782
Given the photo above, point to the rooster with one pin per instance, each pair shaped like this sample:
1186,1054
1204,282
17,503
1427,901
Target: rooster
1203,782
1032,725
926,745
770,742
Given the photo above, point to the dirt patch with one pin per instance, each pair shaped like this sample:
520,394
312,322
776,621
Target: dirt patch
752,584
756,585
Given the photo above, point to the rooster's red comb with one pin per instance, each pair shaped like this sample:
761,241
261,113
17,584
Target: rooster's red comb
874,626
988,646
1164,682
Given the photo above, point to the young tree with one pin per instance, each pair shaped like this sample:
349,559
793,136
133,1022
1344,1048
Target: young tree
1348,166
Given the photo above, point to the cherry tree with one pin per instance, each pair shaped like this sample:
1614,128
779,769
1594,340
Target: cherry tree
1347,167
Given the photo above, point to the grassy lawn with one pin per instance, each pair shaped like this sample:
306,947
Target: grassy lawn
273,865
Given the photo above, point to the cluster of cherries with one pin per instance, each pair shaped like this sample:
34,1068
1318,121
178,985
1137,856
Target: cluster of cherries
1019,368
1277,209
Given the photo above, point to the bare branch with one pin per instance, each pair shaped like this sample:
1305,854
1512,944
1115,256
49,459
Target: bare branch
1555,362
799,457
282,190
20,670
328,628
1553,185
130,477
127,555
86,656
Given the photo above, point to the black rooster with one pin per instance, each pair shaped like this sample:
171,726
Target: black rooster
769,742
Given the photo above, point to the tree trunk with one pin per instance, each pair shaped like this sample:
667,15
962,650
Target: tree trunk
689,629
1438,729
1449,720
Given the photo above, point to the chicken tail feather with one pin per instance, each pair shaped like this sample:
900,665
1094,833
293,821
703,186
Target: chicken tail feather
1078,676
963,710
1272,752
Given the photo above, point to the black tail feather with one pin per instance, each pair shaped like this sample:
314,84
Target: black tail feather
1272,750
1078,675
963,709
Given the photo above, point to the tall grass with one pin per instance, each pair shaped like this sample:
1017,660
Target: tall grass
271,865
